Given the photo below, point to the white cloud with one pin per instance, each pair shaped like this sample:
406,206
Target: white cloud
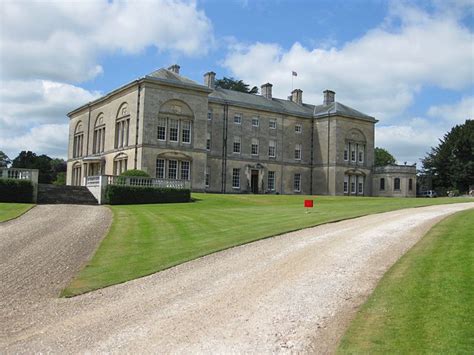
47,45
33,115
379,73
60,40
456,113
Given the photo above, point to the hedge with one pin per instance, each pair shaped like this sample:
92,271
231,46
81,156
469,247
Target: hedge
12,190
128,195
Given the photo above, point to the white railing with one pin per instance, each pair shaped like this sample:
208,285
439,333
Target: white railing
19,174
147,182
22,174
97,184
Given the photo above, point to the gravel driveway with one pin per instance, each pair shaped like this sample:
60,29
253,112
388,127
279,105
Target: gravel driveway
294,292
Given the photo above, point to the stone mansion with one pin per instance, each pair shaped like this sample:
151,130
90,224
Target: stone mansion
225,141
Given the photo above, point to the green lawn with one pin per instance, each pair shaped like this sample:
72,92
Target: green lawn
425,303
144,239
12,210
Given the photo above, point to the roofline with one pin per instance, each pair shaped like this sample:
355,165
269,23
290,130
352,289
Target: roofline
332,114
141,80
258,107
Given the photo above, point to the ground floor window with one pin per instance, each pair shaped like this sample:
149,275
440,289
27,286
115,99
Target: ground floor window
76,174
207,176
236,178
353,187
173,169
271,181
382,184
396,184
360,183
297,182
354,184
120,164
410,184
346,184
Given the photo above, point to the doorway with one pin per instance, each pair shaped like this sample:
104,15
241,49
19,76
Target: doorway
254,181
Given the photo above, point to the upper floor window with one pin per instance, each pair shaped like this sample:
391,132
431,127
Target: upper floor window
254,147
99,135
360,152
272,124
298,152
298,128
209,114
236,145
208,141
271,149
346,152
186,131
396,184
255,121
78,141
173,130
353,153
161,129
237,119
122,126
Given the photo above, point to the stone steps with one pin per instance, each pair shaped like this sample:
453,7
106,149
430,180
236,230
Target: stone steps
59,194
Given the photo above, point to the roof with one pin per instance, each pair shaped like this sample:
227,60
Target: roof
259,102
338,109
167,76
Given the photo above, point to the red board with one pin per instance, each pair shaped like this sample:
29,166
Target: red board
308,203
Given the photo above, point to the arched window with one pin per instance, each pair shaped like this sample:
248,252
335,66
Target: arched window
120,163
122,126
76,174
99,135
78,140
396,184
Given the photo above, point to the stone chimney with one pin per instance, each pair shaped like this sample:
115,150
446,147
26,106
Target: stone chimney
174,68
210,80
267,90
297,96
329,97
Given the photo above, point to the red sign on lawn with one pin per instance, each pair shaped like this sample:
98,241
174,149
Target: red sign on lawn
308,203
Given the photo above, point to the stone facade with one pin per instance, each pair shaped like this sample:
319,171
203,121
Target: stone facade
221,140
394,181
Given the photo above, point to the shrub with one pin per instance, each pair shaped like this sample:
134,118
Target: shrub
60,179
12,190
135,172
125,195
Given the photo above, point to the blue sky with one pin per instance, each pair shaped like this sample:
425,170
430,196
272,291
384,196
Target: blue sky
410,64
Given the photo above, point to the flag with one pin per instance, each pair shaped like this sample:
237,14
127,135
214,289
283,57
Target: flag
294,73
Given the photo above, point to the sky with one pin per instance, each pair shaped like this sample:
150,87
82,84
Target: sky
410,64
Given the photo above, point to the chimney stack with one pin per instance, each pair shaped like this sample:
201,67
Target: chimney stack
329,97
267,90
174,68
297,96
210,80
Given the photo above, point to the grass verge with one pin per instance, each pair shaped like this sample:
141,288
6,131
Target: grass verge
13,210
424,303
144,239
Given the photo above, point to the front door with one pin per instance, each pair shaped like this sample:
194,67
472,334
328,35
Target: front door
254,181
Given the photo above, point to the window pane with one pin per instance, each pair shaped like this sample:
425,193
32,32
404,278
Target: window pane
160,168
254,147
186,132
237,119
236,178
272,124
161,129
236,147
173,130
185,170
297,182
172,169
271,180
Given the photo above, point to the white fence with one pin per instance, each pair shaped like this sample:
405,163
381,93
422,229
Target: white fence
98,184
22,174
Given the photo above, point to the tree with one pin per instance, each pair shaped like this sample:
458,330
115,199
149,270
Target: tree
4,160
451,163
383,157
48,167
236,85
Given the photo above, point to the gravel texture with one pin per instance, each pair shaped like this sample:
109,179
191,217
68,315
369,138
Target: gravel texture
293,293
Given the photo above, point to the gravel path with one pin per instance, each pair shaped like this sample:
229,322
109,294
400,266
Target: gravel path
296,292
